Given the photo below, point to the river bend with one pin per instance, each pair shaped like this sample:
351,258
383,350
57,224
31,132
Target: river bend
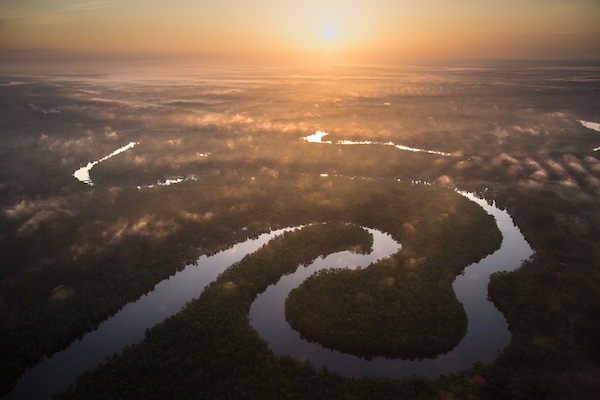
487,330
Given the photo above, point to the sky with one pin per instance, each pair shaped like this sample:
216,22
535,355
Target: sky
356,30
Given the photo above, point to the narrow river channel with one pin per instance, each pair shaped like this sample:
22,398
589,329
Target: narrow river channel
487,330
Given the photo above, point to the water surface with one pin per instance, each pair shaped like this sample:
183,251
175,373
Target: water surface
83,173
318,136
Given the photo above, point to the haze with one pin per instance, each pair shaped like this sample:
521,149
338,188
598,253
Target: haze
332,31
145,145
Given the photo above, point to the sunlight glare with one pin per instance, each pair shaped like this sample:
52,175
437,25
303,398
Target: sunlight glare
328,32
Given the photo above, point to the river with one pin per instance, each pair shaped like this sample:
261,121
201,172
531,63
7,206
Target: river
487,330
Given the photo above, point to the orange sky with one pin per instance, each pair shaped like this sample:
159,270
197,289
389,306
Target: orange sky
366,31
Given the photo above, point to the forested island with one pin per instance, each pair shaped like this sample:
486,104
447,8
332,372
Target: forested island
403,307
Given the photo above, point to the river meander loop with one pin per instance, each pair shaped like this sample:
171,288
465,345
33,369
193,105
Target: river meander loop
487,330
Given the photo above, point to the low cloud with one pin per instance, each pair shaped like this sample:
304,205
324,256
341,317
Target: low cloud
569,183
196,217
36,212
540,175
445,180
530,130
531,184
148,226
574,165
71,146
515,170
559,115
594,164
556,168
504,159
592,182
529,163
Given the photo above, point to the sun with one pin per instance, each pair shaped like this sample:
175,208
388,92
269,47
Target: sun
328,32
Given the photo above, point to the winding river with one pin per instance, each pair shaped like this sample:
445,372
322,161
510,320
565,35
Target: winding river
487,330
318,136
83,173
